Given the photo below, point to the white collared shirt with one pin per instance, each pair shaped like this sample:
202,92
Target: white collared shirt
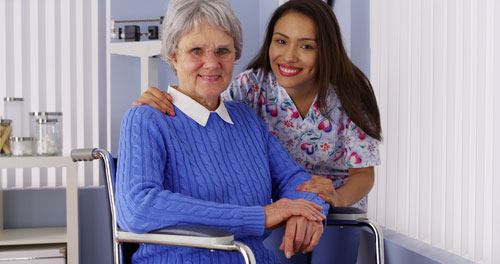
195,110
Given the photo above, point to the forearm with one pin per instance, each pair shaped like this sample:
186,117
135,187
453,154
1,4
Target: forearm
148,210
145,200
358,185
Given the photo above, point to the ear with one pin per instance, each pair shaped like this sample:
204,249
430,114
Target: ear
174,60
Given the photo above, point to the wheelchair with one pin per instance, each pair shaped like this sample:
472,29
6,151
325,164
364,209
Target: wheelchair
201,236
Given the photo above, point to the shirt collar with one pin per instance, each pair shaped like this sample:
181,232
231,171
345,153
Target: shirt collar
195,110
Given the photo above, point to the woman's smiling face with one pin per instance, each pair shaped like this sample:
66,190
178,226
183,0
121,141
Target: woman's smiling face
293,52
204,76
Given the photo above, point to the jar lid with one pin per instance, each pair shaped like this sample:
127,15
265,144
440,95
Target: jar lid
5,121
43,121
21,139
10,99
45,114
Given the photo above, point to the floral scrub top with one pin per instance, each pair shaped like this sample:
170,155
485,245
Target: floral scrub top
323,147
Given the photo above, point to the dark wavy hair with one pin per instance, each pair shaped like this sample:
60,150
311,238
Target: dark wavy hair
334,66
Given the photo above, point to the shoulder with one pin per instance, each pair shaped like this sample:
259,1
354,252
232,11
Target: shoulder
144,115
239,108
252,76
242,113
334,106
143,111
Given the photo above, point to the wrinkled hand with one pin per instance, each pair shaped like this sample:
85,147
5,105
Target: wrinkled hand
322,186
300,234
279,211
158,99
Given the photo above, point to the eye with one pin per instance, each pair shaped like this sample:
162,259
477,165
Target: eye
307,46
280,41
197,51
222,51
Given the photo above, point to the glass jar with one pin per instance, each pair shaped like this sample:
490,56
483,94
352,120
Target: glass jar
34,116
14,109
21,146
47,137
5,132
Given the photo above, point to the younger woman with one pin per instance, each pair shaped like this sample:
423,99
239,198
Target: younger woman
319,105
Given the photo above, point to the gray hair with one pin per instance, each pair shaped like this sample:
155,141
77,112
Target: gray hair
182,15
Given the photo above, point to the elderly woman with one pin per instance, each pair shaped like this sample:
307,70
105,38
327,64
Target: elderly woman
215,163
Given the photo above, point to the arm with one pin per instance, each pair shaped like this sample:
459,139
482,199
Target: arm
360,156
144,203
300,233
247,88
358,186
287,175
157,99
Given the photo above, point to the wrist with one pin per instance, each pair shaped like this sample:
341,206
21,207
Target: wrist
338,199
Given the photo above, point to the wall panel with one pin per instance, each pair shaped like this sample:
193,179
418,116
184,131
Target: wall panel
50,58
435,71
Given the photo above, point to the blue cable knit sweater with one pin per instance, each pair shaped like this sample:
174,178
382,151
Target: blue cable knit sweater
172,171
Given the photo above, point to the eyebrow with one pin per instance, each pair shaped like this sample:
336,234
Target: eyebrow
278,33
222,45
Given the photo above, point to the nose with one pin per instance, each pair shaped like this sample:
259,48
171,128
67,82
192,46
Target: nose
290,54
210,60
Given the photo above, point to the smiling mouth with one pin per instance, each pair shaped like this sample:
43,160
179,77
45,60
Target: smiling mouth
210,78
288,71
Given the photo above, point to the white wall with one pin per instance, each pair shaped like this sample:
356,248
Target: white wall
52,55
435,68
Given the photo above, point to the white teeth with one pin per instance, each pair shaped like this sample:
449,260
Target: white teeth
209,77
288,70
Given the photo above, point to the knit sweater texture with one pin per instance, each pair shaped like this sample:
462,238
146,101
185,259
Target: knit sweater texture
173,171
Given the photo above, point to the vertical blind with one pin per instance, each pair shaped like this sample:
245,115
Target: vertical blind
436,72
49,55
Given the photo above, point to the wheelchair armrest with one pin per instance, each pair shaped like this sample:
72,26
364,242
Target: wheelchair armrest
188,236
345,214
200,231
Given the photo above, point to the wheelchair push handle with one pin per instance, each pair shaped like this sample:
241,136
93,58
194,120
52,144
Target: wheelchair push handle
86,154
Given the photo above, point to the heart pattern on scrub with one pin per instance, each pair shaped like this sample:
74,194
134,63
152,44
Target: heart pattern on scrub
272,109
308,147
325,125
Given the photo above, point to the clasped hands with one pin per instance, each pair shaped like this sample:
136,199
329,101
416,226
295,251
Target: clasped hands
303,224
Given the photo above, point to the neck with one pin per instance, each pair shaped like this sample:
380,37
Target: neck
209,103
302,98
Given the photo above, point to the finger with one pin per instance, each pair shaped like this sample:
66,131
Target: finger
159,98
288,238
316,206
153,95
151,101
170,106
328,199
308,213
155,90
307,236
317,190
314,240
170,109
167,96
300,234
312,214
304,185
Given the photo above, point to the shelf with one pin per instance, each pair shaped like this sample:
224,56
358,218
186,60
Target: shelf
30,236
36,162
136,48
68,234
